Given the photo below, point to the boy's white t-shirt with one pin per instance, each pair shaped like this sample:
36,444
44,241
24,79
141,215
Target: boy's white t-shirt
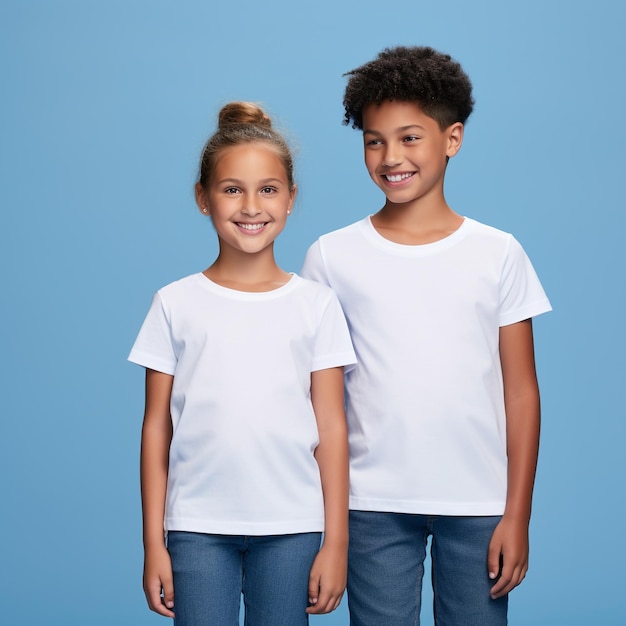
425,403
244,431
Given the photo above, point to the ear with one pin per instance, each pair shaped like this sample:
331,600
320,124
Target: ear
292,197
455,138
201,200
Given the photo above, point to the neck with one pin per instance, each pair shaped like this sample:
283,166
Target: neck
416,222
247,272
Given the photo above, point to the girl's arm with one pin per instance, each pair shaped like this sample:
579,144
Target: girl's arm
508,550
156,438
327,580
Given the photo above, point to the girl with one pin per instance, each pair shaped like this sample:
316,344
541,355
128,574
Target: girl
244,445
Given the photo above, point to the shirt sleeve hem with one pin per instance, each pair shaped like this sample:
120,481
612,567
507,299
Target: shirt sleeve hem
526,312
151,362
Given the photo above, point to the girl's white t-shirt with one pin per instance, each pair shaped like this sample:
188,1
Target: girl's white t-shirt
425,404
244,431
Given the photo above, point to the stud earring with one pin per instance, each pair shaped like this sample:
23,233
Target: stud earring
288,211
205,210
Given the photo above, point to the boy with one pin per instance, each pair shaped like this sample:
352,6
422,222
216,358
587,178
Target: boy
443,408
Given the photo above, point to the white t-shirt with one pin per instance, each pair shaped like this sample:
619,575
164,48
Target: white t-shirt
425,403
244,430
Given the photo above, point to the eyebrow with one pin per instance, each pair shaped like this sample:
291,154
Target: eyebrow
402,129
237,181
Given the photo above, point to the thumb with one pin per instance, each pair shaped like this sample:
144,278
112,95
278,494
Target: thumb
314,588
494,560
168,591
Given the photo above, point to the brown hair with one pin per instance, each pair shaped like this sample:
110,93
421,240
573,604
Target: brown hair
241,123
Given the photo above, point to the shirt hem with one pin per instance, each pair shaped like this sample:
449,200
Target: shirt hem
244,528
423,507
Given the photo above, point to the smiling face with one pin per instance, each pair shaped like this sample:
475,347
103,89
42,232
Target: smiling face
248,197
406,152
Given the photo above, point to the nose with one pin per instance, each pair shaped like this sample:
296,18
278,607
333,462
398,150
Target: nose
250,207
392,156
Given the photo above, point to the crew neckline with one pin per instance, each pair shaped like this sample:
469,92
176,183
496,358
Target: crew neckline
237,294
420,249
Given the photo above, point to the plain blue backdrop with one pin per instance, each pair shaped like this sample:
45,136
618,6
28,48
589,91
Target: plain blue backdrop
105,107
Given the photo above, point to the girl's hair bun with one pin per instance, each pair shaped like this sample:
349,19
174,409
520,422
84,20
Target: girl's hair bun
239,113
241,123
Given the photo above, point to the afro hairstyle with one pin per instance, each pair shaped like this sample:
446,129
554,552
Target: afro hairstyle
420,74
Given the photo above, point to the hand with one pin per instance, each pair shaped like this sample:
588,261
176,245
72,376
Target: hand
327,580
508,555
158,581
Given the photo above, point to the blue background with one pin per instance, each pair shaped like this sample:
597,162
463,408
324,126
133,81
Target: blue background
104,109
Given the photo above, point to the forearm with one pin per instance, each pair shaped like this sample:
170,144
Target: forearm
332,452
521,401
154,471
156,437
332,459
523,425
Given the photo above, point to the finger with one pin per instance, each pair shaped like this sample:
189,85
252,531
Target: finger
326,603
317,608
508,582
494,560
168,591
500,588
155,601
153,594
314,588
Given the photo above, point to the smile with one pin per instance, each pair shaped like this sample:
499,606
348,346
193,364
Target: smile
397,178
251,227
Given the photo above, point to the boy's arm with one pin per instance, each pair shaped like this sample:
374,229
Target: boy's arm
327,580
156,437
313,267
508,550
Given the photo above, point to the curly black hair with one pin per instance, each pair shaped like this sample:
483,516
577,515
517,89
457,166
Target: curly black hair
420,74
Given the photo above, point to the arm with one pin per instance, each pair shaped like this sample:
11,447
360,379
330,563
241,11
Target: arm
313,267
327,580
156,437
508,550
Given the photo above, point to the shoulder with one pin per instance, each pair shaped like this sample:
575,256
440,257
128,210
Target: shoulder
346,231
492,240
342,238
333,249
341,235
478,229
181,288
317,298
313,289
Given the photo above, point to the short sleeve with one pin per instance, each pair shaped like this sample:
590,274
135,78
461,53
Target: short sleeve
313,267
333,346
521,293
154,347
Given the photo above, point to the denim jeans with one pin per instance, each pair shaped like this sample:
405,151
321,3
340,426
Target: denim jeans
386,567
212,571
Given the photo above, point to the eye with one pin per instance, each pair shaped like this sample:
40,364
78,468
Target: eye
410,138
373,143
231,190
268,190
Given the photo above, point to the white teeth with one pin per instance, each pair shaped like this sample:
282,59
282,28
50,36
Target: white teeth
396,178
251,226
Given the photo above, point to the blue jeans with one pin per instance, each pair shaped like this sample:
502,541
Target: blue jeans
212,571
386,567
